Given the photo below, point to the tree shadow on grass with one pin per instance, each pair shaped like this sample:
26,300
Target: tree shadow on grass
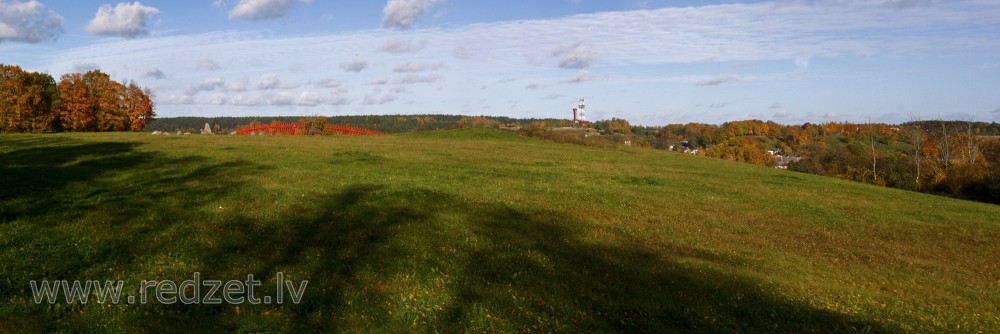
33,177
79,210
547,275
378,257
389,258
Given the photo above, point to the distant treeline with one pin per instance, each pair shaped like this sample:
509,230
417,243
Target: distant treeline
35,102
954,158
383,123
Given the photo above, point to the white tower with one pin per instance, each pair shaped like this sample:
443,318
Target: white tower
581,111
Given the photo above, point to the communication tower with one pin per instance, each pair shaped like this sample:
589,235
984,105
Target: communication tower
580,114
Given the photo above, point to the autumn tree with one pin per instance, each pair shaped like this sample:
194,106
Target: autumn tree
138,106
616,125
313,125
742,150
109,97
916,134
11,86
77,109
469,122
93,102
26,100
41,99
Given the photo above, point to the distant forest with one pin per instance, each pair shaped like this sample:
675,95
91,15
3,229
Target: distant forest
953,158
382,123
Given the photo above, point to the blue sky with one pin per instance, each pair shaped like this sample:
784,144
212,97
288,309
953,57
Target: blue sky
650,62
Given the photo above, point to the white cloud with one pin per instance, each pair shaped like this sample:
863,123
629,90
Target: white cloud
802,62
715,81
379,81
279,99
238,85
208,84
154,73
85,66
581,76
271,81
339,98
177,99
245,100
417,67
327,82
414,78
776,105
400,46
28,22
308,98
460,52
402,13
354,65
782,114
574,56
208,65
718,105
533,86
372,100
259,10
218,99
995,111
831,115
128,20
553,96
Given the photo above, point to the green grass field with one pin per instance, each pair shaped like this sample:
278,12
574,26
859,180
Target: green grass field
479,230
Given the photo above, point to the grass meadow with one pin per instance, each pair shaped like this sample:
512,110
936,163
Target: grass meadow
478,230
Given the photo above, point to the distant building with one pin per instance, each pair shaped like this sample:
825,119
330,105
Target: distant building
782,162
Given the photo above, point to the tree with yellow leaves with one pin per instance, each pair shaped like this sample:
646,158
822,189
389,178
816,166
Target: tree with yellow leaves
94,102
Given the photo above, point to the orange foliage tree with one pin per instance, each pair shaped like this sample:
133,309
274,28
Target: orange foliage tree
138,106
77,109
26,100
94,102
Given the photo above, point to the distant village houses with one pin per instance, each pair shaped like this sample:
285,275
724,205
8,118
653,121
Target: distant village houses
781,161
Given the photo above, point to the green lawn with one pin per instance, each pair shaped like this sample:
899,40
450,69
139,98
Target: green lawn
482,231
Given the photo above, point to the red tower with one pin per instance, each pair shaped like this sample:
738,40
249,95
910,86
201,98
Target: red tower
580,114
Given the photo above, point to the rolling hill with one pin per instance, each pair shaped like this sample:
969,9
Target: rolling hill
480,230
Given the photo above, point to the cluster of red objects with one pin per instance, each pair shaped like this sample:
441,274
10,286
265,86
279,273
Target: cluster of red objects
297,129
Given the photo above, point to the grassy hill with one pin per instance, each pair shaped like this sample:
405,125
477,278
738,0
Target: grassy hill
480,230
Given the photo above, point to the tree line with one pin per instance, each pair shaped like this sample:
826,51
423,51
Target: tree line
382,123
91,101
954,158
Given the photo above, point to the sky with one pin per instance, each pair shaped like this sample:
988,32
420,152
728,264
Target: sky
649,62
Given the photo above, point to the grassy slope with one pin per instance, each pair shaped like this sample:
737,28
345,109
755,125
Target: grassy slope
478,230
